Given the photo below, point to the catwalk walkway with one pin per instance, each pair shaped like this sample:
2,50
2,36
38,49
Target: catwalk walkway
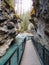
30,57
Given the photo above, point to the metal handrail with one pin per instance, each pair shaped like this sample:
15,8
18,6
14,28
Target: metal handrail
42,50
15,57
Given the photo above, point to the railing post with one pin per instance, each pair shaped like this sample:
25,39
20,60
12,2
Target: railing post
9,62
23,45
17,54
44,54
24,42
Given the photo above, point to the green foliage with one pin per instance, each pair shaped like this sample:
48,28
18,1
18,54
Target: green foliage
25,25
10,2
25,17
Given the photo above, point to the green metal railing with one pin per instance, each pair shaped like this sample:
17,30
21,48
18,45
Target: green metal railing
14,53
42,50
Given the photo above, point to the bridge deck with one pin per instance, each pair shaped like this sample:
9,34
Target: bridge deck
30,56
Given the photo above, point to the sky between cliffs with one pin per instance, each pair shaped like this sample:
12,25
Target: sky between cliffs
23,6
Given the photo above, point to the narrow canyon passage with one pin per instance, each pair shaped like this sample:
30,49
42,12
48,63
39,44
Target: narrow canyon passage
30,56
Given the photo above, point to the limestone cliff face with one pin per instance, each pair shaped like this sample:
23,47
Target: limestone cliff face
8,25
42,14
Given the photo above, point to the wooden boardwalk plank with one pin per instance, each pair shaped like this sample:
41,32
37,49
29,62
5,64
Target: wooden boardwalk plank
30,56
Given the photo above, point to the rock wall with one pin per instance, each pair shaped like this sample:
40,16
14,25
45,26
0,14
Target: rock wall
8,26
41,23
41,8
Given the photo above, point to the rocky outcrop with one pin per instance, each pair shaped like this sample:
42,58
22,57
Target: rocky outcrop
41,8
40,11
8,26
